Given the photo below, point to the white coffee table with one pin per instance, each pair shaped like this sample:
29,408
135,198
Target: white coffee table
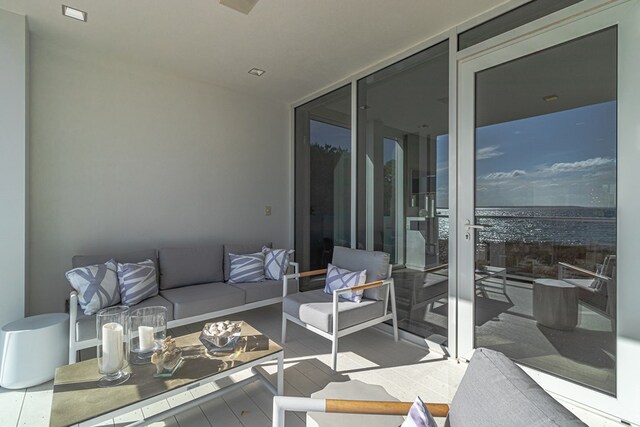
77,399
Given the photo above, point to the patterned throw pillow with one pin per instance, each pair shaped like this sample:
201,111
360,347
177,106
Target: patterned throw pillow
97,286
338,278
246,268
137,281
419,416
276,262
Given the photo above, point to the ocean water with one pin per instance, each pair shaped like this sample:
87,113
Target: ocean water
556,224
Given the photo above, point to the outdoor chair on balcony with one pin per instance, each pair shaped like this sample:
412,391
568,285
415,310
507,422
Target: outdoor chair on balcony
331,316
601,282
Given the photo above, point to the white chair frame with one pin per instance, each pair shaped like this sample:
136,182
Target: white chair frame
336,333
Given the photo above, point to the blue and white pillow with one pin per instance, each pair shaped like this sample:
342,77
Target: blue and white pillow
338,278
246,268
276,262
419,416
97,286
137,281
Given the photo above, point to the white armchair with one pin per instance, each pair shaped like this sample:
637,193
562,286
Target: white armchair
332,317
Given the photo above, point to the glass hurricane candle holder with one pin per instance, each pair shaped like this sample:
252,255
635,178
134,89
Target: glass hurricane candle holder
112,330
148,331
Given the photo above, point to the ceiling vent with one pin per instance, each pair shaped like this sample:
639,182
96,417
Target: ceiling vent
242,6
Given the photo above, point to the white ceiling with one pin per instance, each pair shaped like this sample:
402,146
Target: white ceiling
304,45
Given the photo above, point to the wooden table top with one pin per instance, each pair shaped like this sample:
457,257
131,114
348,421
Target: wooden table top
77,397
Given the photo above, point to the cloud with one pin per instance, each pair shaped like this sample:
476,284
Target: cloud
579,166
488,152
505,175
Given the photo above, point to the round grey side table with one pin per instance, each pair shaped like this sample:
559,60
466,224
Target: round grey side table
33,348
555,303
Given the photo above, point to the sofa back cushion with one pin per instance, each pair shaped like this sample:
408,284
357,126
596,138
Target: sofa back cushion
496,392
190,266
376,264
240,249
121,257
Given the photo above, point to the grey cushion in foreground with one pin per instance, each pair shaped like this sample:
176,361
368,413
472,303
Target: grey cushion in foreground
86,325
376,264
194,300
190,266
240,249
260,291
496,392
316,309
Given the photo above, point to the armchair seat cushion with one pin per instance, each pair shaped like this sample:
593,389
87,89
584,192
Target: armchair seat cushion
86,325
260,291
316,309
189,301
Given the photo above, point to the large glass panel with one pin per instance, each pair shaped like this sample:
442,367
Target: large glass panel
403,183
322,178
545,177
510,20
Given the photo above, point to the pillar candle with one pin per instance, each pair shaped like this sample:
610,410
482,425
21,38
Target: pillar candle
145,337
112,341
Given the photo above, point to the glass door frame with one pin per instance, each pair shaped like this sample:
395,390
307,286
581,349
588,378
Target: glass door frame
625,16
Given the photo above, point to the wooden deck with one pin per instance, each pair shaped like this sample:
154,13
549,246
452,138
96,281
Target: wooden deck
371,356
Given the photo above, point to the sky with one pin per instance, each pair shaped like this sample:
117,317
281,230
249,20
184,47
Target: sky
566,158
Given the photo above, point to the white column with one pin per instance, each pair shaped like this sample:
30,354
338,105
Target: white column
13,164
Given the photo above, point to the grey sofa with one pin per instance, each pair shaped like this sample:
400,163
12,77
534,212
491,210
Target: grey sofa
494,392
193,287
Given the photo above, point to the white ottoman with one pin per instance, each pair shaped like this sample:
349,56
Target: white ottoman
353,390
33,348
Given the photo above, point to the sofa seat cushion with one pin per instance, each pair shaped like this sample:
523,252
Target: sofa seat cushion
496,392
194,300
86,325
260,291
190,266
316,309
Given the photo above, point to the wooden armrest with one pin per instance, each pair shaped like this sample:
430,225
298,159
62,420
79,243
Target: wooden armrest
381,408
363,286
312,273
584,271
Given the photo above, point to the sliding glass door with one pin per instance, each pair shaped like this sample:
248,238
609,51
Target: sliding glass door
403,192
322,178
542,129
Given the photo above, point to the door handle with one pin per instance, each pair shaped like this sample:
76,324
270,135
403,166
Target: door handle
469,226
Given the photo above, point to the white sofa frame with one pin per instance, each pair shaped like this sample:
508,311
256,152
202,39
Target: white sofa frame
75,345
336,333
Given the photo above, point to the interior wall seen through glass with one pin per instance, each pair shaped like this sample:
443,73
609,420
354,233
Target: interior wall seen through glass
403,194
322,178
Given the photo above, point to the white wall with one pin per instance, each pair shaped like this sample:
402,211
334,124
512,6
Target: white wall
126,157
13,164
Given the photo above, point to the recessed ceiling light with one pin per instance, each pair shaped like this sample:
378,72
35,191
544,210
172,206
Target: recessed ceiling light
364,107
74,13
423,126
550,98
256,72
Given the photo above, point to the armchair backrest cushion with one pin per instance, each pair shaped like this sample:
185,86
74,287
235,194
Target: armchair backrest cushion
190,266
376,264
496,392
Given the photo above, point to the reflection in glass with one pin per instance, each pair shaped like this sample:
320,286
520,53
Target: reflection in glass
402,169
322,178
546,190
